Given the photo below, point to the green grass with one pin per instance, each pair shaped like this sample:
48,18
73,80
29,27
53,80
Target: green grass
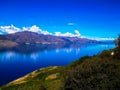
38,81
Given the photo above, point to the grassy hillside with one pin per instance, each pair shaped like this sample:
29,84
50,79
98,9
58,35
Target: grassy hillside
45,78
100,72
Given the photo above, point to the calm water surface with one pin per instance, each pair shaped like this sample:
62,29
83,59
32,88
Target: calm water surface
25,59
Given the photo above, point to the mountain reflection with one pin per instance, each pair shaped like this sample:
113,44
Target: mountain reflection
28,49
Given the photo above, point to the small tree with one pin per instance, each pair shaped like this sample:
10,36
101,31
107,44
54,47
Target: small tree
117,49
117,41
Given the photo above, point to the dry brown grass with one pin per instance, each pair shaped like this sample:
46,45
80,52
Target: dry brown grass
52,76
34,74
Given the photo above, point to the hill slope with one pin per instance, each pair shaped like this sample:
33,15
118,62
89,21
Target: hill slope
100,72
26,37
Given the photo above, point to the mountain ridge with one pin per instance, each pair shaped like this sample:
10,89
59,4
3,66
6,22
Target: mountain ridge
27,37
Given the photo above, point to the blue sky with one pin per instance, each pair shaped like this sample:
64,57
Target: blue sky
92,18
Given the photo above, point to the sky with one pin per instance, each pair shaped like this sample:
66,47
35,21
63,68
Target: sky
87,18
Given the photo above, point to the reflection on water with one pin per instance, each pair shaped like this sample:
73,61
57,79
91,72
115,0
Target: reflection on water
21,60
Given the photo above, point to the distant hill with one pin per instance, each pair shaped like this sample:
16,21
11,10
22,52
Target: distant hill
34,38
27,37
3,37
6,43
107,41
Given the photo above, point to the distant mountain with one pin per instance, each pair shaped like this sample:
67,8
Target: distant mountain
5,43
107,41
27,37
3,37
78,40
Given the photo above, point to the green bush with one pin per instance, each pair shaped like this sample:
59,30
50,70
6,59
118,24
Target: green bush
117,41
94,73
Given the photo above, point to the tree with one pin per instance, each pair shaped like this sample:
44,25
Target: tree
117,41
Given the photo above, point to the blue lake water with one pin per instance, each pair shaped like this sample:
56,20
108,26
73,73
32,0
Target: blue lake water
25,59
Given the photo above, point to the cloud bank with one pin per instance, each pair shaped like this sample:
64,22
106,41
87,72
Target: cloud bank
68,34
102,39
36,29
12,29
9,29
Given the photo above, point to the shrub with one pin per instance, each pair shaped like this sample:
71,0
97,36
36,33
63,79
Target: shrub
117,42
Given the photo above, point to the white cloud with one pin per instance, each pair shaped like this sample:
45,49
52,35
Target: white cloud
33,28
9,29
12,29
70,24
102,39
77,33
36,29
46,33
68,34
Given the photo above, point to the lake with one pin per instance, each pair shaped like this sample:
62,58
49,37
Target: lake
24,59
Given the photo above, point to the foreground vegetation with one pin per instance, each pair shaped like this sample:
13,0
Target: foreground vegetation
100,72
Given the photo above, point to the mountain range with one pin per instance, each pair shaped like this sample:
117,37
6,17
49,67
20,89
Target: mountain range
27,37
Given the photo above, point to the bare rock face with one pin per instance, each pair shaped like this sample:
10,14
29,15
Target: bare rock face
7,44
